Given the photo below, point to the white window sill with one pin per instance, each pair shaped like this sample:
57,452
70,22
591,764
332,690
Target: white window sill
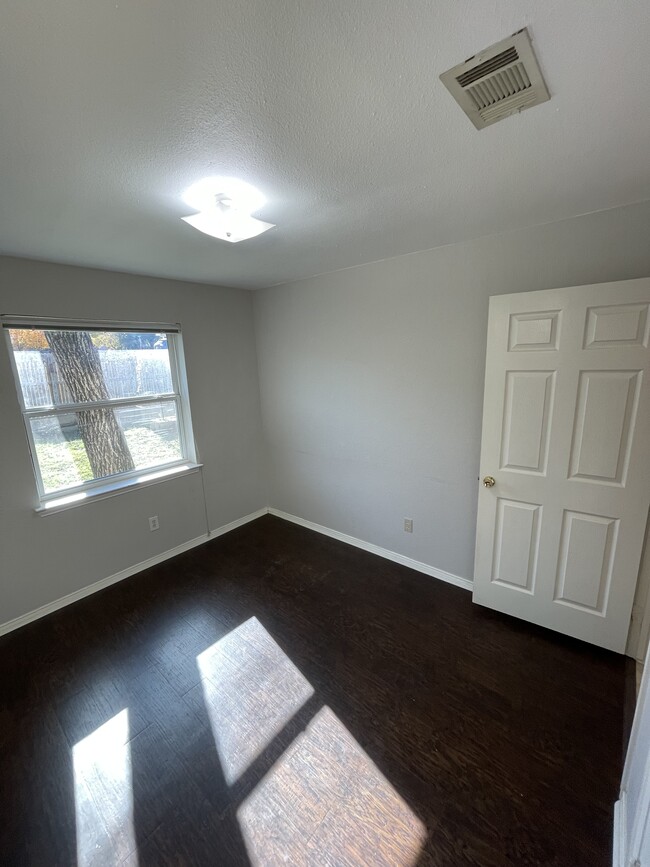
111,489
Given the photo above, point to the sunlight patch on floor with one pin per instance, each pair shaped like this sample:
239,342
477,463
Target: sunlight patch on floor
251,691
325,802
103,795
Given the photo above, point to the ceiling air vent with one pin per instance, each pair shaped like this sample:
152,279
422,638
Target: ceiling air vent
501,80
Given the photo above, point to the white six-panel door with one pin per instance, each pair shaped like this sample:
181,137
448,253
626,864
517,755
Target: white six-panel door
566,438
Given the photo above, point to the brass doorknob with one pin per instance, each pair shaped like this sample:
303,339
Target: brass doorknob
489,482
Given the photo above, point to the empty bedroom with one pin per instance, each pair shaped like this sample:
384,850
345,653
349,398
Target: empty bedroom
324,433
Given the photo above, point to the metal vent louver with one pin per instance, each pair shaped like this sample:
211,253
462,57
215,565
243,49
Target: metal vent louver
499,81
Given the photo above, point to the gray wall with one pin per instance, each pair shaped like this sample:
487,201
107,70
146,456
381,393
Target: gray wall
44,558
372,377
372,387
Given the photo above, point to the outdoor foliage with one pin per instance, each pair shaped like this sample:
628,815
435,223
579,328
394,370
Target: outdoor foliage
27,338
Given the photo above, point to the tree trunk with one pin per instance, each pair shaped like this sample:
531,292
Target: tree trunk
80,368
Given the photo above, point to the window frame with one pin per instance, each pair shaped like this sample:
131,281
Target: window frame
179,396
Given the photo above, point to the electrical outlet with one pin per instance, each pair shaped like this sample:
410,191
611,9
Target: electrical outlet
154,523
408,525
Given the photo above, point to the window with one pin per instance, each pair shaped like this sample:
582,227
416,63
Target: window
102,403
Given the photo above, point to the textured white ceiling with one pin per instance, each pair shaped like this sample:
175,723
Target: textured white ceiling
333,109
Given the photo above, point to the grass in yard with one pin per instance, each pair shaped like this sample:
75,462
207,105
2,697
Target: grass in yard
65,463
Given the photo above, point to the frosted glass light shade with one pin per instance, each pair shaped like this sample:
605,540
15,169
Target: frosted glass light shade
228,225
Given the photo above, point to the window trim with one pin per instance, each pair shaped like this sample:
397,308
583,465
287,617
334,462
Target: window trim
108,485
148,477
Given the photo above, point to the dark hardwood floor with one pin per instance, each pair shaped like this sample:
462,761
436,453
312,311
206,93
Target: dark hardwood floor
277,697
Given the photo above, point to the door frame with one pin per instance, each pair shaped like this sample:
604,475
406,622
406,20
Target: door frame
632,833
638,637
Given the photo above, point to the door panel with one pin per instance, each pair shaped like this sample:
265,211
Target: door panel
605,423
617,325
534,331
516,544
526,422
566,428
587,548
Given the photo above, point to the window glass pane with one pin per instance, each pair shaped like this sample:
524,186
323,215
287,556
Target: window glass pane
73,448
60,452
151,432
56,367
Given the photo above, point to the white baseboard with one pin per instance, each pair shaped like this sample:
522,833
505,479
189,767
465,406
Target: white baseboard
619,848
37,613
465,583
50,607
220,531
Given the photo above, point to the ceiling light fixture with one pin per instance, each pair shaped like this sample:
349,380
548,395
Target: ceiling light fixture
225,206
